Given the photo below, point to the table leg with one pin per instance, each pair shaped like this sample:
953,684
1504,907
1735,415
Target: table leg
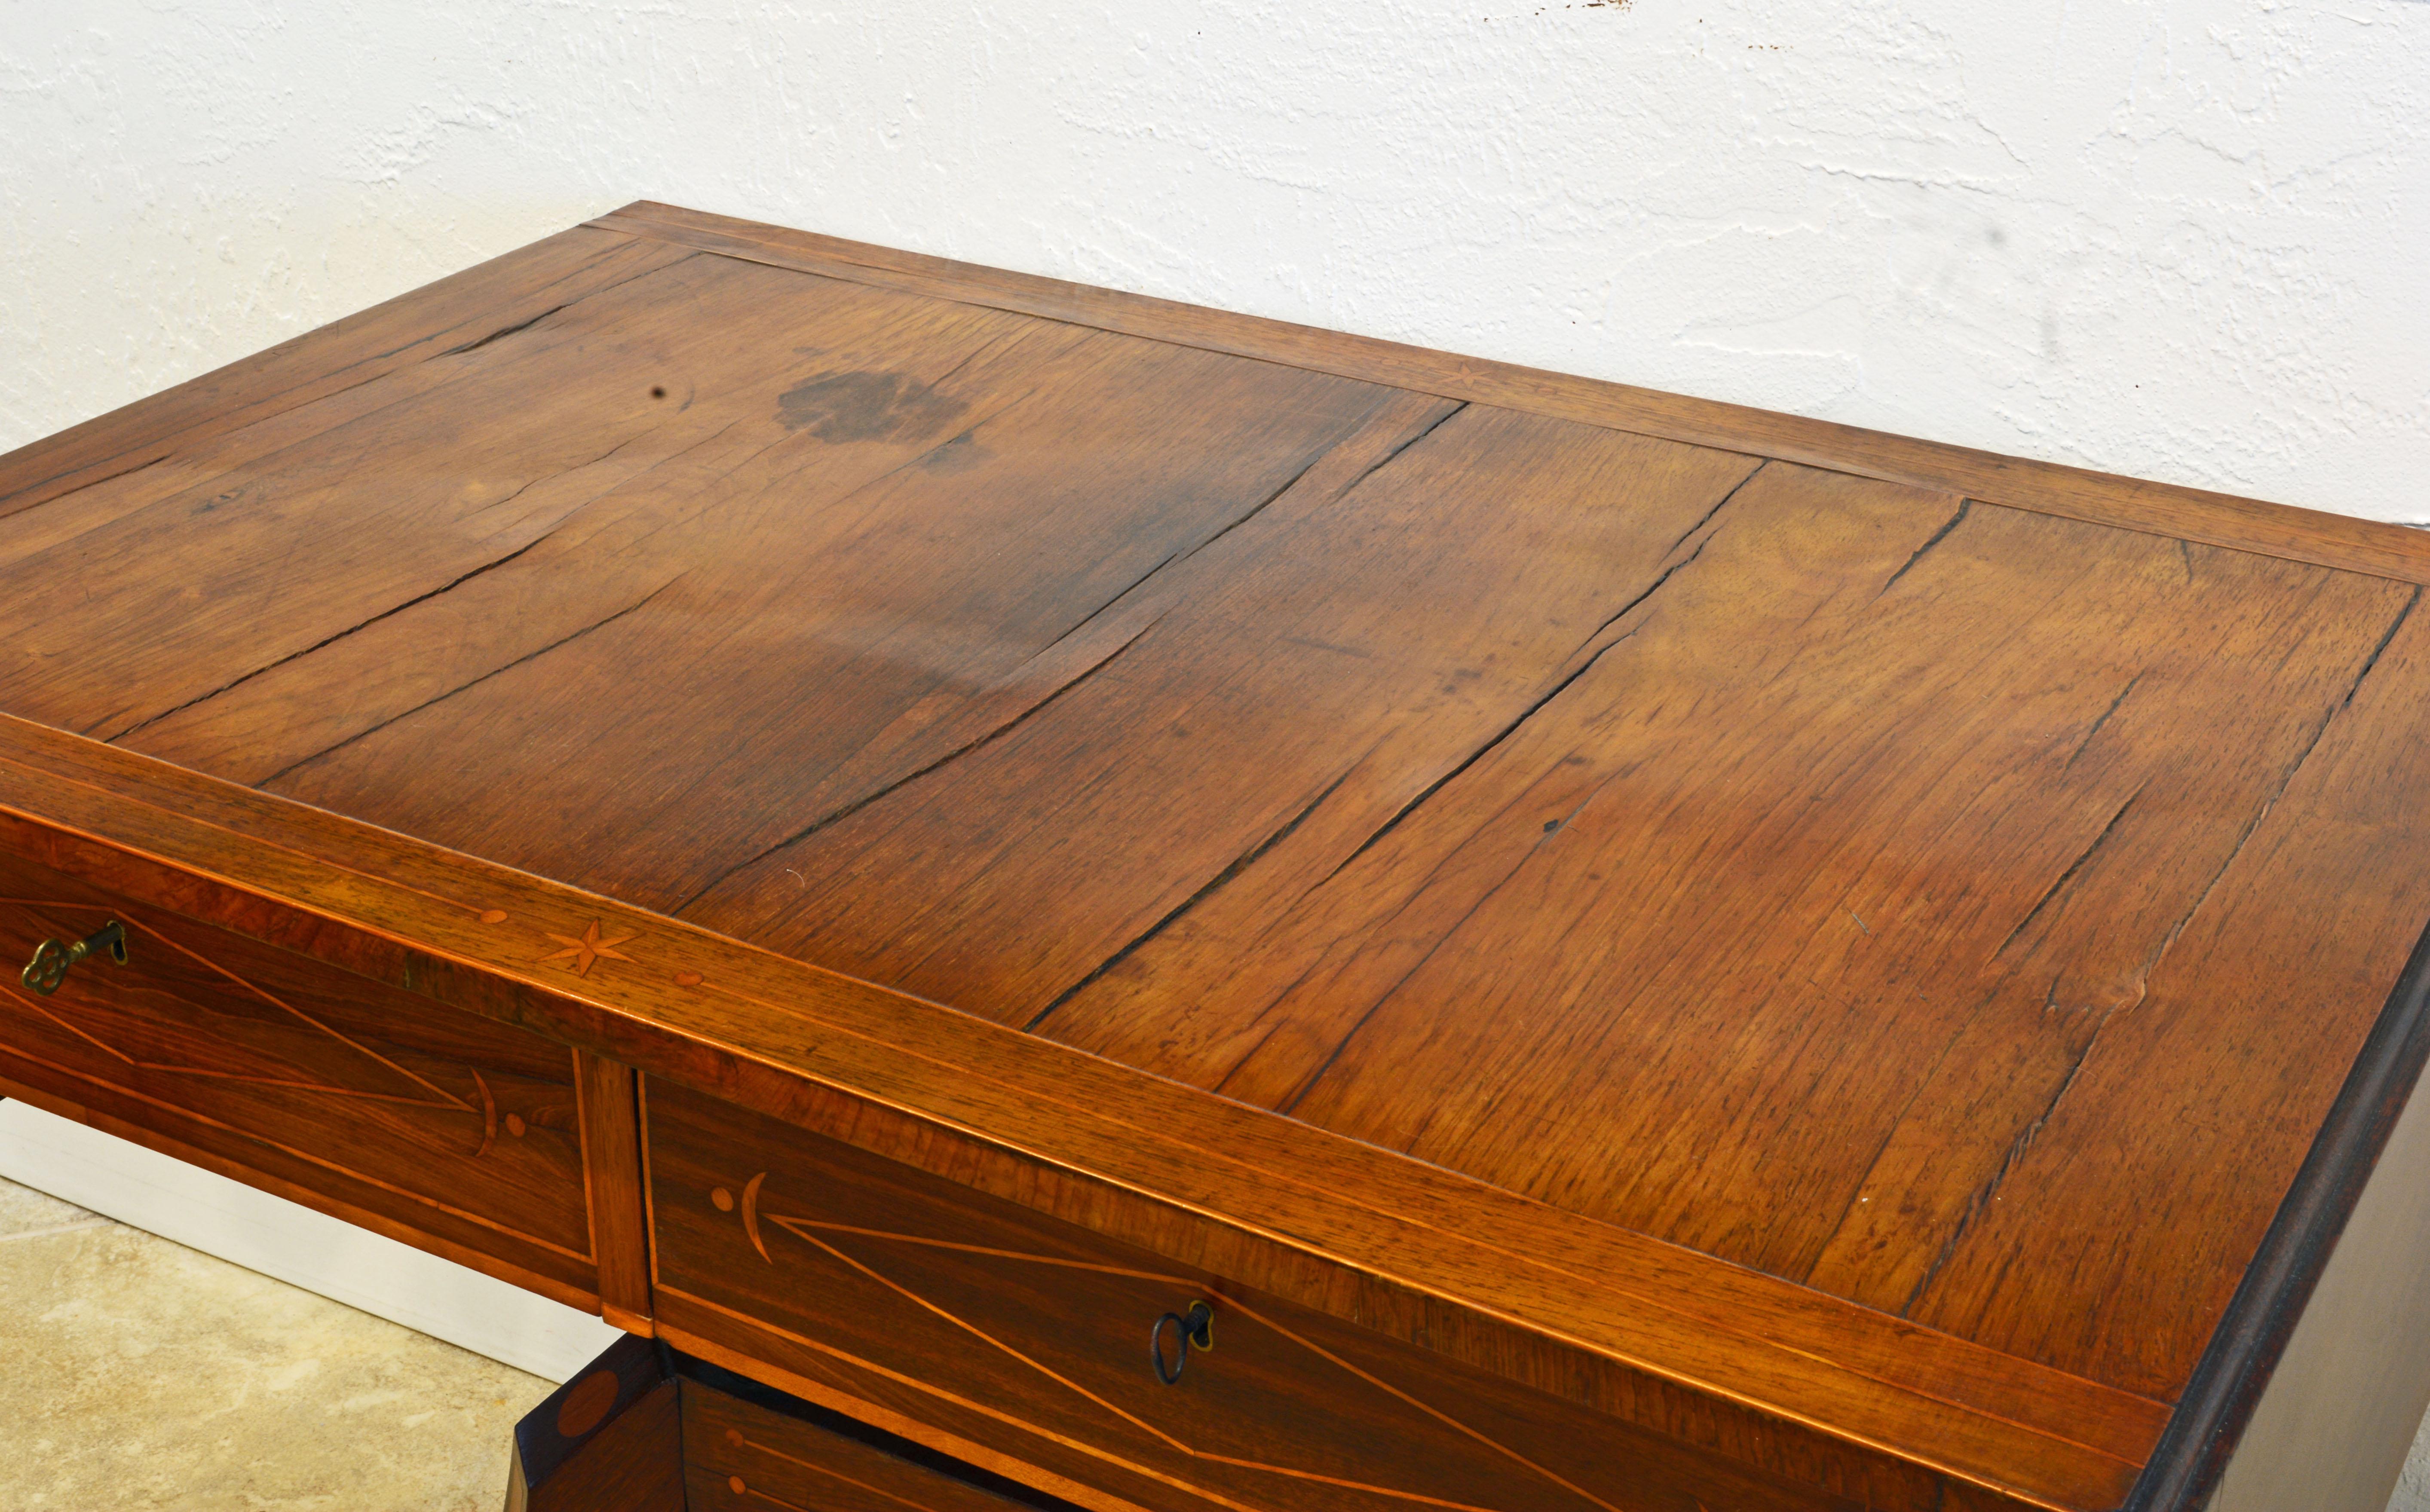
609,1440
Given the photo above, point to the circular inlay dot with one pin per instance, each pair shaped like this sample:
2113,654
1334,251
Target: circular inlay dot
723,1198
734,1436
687,979
495,915
736,1483
586,1407
515,1124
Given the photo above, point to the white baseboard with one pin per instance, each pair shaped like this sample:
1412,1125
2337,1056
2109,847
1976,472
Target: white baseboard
206,1211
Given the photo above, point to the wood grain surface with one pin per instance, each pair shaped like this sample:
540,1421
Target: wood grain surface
634,1464
741,1455
609,1439
1926,902
1778,1375
608,1099
448,1124
438,320
1036,1336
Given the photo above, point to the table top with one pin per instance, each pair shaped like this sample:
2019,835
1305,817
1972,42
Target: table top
1932,896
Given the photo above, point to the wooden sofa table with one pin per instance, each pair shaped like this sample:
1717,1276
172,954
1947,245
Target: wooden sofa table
1195,913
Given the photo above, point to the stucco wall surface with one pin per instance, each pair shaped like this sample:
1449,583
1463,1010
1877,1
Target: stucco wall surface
2184,239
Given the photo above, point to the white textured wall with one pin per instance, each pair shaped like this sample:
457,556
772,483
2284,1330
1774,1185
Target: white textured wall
2185,239
2188,239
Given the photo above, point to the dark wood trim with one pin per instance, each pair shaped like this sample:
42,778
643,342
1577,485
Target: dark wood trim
627,1432
610,1439
612,1175
2220,1398
2373,547
2336,1424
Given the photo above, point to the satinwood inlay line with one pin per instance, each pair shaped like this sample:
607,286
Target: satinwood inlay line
1095,1451
1144,1132
45,774
740,1488
350,1172
802,1228
440,1097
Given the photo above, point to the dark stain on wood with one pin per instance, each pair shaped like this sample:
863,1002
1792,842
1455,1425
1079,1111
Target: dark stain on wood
865,407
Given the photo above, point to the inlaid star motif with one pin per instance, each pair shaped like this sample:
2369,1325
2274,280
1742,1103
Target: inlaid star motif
581,954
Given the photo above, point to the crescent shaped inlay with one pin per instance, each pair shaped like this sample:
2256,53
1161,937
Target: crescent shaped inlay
751,1215
489,1115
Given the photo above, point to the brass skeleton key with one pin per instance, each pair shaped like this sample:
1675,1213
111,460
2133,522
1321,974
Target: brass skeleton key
52,960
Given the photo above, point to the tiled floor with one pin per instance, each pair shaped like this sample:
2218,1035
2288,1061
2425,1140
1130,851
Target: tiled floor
2413,1489
147,1375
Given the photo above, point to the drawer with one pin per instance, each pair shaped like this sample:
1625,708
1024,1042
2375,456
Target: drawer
748,1457
453,1132
1025,1343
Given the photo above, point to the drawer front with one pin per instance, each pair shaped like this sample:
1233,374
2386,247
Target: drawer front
905,1297
449,1130
745,1457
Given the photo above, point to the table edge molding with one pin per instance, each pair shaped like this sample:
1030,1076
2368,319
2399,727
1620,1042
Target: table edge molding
1909,1397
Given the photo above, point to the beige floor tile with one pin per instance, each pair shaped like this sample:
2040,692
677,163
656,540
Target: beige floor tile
24,1210
146,1375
